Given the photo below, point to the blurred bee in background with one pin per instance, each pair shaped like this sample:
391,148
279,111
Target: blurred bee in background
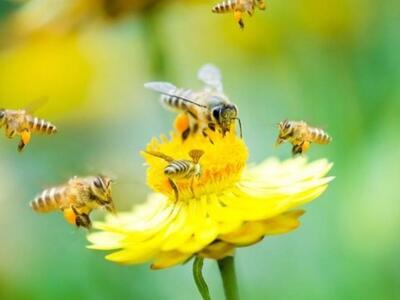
209,109
181,169
239,7
23,124
301,135
77,199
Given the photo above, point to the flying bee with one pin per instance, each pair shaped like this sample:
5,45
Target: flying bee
239,7
301,135
209,109
23,124
77,199
181,169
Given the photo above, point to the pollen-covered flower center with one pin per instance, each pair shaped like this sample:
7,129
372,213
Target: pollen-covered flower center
195,167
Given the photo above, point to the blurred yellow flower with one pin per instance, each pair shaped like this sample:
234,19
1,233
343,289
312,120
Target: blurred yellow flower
234,205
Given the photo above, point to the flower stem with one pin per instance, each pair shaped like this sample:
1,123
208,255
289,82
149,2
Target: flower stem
228,274
198,278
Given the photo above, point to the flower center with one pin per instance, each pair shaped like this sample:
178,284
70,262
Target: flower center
221,164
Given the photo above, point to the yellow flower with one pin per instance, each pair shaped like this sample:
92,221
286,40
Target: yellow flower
233,205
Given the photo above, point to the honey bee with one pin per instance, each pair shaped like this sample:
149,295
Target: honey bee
77,199
239,7
209,109
301,135
181,169
23,124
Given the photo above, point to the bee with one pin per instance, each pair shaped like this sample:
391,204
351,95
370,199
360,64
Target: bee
21,123
77,199
181,169
208,109
301,135
239,7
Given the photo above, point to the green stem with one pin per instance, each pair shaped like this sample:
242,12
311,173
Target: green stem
198,278
228,274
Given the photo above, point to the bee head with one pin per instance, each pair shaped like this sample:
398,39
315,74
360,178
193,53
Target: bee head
285,130
101,188
224,115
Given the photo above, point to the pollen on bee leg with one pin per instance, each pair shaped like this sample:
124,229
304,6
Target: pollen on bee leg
70,216
238,17
181,123
26,136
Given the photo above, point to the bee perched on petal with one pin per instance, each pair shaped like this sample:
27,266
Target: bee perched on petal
77,199
239,7
301,135
181,169
208,109
21,123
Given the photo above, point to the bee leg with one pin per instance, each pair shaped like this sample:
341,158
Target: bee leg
83,220
204,132
185,134
211,126
25,139
238,18
192,187
175,188
297,150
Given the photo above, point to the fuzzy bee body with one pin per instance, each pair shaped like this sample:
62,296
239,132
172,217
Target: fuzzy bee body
208,109
181,169
239,7
301,135
21,123
76,199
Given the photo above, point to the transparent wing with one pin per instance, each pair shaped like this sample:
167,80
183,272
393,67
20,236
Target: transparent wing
169,89
161,87
36,104
211,76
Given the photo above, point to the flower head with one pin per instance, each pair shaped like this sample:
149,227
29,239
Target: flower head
230,205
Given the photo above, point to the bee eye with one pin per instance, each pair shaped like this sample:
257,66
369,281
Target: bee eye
2,113
216,113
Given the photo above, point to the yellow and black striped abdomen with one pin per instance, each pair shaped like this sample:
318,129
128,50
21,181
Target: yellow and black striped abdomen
180,169
174,101
319,136
41,125
225,6
50,200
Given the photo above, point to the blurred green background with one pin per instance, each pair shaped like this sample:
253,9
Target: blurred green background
334,63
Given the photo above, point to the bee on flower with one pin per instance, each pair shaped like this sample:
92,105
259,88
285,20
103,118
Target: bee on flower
239,7
301,135
206,110
182,169
235,205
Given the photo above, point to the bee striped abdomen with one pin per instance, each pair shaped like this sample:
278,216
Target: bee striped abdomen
50,200
41,125
319,136
174,101
179,169
224,7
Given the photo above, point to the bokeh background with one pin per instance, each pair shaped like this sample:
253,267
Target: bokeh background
334,63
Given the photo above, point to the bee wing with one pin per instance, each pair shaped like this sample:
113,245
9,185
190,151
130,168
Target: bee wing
161,87
36,104
169,89
159,155
211,76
